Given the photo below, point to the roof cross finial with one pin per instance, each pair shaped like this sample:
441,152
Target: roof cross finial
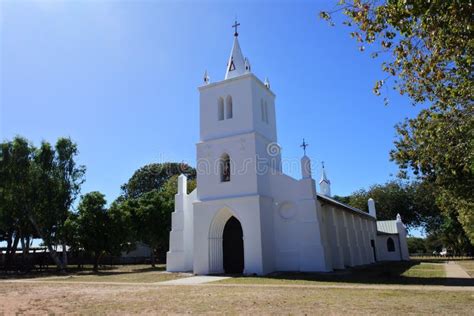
322,163
304,145
235,27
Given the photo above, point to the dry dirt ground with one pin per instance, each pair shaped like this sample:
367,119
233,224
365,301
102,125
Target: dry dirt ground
80,298
414,288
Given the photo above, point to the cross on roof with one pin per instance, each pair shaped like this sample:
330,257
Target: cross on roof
304,145
322,163
235,27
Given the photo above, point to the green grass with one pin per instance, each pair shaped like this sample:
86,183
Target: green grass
419,273
74,298
124,273
468,266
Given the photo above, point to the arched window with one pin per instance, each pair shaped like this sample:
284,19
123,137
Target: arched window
390,245
228,107
225,168
220,109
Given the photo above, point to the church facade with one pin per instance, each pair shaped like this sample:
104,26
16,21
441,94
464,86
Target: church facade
246,215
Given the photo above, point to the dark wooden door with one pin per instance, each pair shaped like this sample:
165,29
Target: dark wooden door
233,247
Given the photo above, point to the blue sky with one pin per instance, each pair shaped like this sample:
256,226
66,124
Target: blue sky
120,78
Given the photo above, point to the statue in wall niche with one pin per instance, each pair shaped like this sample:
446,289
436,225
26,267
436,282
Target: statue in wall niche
226,171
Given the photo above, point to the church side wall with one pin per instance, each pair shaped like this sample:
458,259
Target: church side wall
402,235
299,243
348,235
382,251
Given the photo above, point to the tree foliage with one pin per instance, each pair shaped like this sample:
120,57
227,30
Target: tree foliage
98,230
414,202
38,186
427,49
427,45
150,214
152,176
416,245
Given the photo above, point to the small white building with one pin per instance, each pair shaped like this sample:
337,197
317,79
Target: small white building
246,215
392,240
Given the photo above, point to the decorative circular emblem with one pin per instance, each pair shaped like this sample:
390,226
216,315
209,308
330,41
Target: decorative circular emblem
273,149
287,210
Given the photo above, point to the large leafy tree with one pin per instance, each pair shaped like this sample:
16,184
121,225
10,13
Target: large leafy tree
151,215
38,186
152,176
98,230
414,202
17,194
426,49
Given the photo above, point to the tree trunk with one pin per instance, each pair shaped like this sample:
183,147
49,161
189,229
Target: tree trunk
64,255
52,252
9,245
96,262
12,252
152,257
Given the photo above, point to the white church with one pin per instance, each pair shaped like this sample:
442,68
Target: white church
247,216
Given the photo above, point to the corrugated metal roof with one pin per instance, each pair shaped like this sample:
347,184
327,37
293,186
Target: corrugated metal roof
348,207
387,227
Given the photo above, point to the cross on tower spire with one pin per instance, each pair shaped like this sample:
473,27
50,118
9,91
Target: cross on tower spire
304,145
235,27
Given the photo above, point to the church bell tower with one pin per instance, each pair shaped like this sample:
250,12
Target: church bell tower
238,138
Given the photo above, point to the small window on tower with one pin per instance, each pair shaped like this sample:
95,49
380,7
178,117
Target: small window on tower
224,166
220,109
262,110
228,105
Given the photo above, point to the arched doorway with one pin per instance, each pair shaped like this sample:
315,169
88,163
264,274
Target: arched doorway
233,246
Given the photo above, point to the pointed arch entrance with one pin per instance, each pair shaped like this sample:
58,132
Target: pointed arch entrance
233,246
226,244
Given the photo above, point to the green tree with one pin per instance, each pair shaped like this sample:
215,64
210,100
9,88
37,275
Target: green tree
38,186
70,177
91,223
416,245
411,201
153,176
98,230
151,215
17,198
427,48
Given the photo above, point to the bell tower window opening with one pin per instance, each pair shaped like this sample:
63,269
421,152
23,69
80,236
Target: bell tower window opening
228,105
224,166
220,109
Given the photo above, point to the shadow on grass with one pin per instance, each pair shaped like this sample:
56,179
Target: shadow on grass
82,271
390,273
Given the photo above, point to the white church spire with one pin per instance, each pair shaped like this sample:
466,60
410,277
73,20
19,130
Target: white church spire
236,64
324,183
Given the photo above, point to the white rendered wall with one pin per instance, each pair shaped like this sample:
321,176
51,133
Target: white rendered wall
382,252
246,91
209,220
402,234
